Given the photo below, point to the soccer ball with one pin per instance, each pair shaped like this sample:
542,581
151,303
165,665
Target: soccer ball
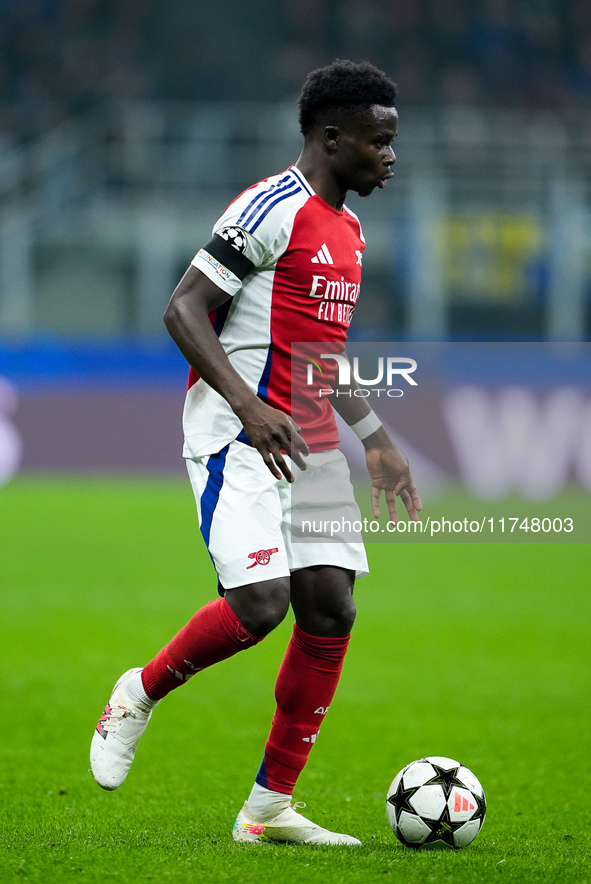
435,802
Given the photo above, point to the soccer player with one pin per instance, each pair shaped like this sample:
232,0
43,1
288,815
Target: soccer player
283,265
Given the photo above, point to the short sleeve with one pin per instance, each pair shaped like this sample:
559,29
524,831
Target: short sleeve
230,255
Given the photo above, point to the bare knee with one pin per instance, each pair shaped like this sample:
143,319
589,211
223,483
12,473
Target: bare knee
260,607
345,618
322,600
329,621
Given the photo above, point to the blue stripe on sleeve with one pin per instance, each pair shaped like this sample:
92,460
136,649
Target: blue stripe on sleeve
262,210
252,206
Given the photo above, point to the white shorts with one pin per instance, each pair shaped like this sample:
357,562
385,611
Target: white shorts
246,515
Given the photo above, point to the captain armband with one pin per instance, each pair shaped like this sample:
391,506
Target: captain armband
228,248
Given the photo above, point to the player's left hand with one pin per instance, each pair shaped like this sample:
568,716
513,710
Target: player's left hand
389,471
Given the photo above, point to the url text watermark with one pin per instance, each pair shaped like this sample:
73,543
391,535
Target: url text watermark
490,525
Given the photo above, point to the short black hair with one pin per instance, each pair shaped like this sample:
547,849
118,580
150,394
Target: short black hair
343,86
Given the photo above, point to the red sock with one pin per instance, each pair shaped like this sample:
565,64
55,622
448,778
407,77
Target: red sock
213,634
306,684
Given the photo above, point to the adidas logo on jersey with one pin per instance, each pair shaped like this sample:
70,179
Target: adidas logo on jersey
322,256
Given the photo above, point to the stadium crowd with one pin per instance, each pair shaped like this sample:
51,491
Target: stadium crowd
61,57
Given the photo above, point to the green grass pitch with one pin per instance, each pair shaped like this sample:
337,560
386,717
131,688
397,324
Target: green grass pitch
477,651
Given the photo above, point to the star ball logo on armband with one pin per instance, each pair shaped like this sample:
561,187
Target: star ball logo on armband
235,236
388,369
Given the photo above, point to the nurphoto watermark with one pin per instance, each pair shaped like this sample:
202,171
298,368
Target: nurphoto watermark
497,435
389,369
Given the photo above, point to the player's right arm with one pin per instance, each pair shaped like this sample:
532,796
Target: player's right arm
270,430
387,465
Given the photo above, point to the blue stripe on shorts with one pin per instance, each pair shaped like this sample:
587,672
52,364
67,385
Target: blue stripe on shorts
211,495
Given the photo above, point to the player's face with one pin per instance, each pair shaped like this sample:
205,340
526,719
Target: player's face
365,157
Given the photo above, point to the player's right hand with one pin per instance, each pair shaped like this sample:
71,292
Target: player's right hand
272,432
390,472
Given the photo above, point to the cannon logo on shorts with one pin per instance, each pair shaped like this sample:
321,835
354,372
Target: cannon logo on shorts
261,557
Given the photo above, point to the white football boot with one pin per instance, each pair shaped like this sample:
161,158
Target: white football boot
117,734
287,826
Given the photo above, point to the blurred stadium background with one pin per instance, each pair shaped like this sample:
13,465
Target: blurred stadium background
125,128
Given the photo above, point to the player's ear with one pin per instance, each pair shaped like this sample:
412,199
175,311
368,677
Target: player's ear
331,136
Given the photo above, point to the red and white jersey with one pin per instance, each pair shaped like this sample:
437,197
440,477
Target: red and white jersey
292,266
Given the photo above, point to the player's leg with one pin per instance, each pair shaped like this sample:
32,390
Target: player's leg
323,569
239,516
239,620
322,577
213,634
323,605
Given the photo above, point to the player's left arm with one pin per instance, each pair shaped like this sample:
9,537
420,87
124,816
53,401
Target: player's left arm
387,465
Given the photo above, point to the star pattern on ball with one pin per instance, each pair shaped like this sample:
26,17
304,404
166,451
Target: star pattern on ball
442,829
481,802
447,779
400,799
